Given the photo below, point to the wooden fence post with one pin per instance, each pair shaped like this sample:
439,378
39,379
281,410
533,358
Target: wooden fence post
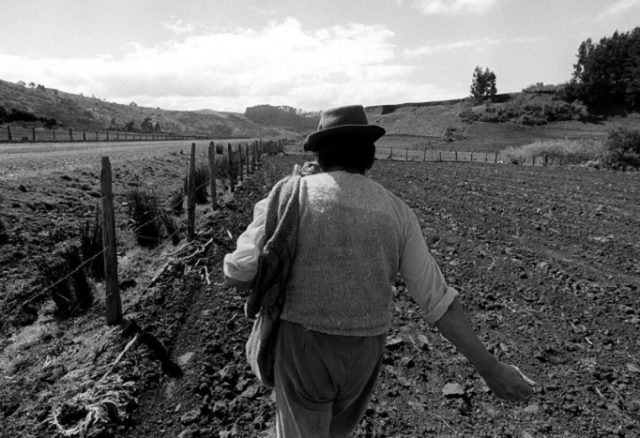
212,175
191,195
232,168
440,156
471,157
247,158
424,156
546,160
113,304
456,152
254,154
533,160
84,135
495,159
107,135
33,134
240,163
9,133
406,155
54,134
96,135
70,134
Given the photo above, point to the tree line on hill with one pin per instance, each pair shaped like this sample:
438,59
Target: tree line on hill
606,77
283,117
18,115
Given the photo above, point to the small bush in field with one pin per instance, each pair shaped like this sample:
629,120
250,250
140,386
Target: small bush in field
145,211
91,245
176,202
173,230
66,280
4,237
201,177
623,149
557,151
4,234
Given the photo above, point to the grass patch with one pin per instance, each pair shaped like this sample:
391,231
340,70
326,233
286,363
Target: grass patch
91,245
558,151
4,235
144,209
66,280
202,181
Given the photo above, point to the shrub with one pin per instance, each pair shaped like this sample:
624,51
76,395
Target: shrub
623,148
173,230
4,236
91,245
145,212
557,151
66,279
176,202
201,177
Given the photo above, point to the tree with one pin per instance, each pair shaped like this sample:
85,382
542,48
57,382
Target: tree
483,85
146,125
606,74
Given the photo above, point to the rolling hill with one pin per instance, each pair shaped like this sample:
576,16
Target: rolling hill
81,112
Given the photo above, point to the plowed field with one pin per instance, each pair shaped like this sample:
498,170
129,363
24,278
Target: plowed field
547,261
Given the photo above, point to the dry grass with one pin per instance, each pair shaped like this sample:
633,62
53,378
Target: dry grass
558,151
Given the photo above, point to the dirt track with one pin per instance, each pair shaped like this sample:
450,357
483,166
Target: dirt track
546,261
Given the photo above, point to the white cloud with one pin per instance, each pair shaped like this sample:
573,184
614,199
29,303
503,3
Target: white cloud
179,27
474,44
618,7
453,7
281,63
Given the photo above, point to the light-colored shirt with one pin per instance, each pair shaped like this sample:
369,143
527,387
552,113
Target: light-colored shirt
336,209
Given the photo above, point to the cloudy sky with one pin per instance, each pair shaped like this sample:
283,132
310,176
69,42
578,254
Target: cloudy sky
230,54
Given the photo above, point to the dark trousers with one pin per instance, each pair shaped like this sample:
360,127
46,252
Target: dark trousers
323,382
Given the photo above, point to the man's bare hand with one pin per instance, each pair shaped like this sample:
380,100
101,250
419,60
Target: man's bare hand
508,382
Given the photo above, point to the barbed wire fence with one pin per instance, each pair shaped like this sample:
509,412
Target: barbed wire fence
240,160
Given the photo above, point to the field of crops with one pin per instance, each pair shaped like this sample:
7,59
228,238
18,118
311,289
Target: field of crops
547,261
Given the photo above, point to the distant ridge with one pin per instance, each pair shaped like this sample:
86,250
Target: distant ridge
81,112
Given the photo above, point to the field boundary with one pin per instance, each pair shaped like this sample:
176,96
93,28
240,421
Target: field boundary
21,134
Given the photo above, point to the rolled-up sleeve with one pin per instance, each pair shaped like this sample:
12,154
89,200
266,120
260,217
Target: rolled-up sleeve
242,264
422,275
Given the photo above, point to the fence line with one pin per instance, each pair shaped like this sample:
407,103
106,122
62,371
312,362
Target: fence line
429,155
19,134
248,155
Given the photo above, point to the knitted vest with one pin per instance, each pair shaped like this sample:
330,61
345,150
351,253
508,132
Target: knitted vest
347,256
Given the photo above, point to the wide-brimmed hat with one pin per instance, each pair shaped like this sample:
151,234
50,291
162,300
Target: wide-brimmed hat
343,120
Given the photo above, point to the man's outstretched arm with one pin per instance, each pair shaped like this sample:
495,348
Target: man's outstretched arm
505,381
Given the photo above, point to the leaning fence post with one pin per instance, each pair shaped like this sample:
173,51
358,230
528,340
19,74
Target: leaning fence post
240,163
113,304
191,195
247,158
212,175
232,168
